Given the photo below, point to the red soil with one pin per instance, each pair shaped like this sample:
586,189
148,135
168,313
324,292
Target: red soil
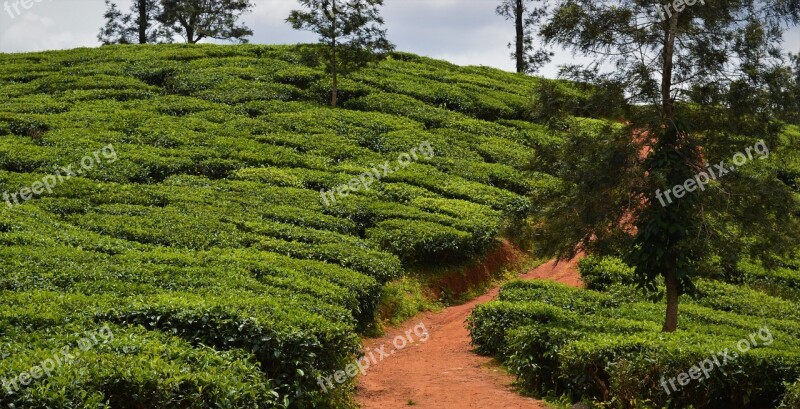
443,372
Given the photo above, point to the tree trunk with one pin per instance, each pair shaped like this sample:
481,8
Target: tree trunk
670,26
143,21
334,67
335,90
671,136
192,36
519,15
671,318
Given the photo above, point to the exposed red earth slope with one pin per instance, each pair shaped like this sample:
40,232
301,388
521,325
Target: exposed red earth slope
443,372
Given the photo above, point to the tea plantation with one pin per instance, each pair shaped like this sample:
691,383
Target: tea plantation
604,343
204,243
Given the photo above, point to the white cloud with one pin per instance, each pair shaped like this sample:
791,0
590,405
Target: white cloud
51,25
32,32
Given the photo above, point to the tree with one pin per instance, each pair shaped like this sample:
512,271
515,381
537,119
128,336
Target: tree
700,77
140,25
351,32
524,16
786,92
196,20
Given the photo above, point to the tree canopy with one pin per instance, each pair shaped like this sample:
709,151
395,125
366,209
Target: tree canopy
699,78
196,20
140,25
351,32
157,21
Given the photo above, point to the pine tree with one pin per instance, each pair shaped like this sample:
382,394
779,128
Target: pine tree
351,32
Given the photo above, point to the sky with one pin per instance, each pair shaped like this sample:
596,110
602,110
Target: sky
464,32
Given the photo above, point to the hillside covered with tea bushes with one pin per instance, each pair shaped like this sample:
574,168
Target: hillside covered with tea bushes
199,235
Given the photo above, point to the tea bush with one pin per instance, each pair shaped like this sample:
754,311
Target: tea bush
607,346
601,273
792,398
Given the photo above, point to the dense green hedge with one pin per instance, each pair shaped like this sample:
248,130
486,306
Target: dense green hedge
600,273
421,241
138,368
607,346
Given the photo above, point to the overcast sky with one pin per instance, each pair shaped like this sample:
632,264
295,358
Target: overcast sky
465,32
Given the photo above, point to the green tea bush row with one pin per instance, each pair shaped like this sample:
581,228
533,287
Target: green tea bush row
290,337
138,368
775,279
421,241
290,345
382,266
600,273
598,346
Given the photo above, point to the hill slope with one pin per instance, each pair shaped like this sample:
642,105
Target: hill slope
168,198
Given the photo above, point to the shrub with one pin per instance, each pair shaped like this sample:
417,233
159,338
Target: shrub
140,368
269,176
489,323
499,150
419,241
292,346
601,347
792,398
599,273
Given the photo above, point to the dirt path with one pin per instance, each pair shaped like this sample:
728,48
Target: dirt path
443,372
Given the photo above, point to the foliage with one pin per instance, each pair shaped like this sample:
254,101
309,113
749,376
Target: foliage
206,246
403,299
792,398
139,26
350,32
157,21
695,104
600,273
607,346
195,20
420,240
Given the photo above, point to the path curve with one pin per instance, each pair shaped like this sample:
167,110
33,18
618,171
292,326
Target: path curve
443,372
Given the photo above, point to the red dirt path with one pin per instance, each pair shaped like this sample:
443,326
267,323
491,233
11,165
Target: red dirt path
443,372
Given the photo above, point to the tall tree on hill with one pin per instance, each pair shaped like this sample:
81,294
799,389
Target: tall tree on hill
701,76
139,25
351,32
524,15
196,20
